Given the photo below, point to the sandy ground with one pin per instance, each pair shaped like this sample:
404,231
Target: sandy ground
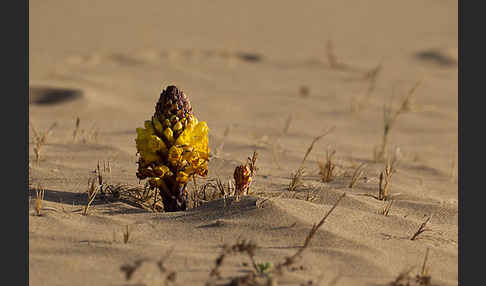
243,66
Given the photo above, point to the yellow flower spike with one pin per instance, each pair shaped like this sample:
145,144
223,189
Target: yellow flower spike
169,135
172,148
157,124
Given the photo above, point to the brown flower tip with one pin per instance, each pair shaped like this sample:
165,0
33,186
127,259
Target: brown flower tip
172,102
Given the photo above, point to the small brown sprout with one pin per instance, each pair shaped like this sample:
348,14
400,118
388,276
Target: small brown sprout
38,200
243,176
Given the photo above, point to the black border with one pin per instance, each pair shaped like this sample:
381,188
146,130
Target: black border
15,131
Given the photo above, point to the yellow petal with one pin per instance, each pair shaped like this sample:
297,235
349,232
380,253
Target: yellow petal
175,153
169,134
156,144
162,170
157,124
182,177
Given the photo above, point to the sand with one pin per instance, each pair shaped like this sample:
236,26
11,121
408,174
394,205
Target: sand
273,75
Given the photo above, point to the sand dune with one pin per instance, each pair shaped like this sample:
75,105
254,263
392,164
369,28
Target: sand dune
263,77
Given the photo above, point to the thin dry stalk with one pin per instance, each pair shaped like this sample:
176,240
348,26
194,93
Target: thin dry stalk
288,261
314,142
85,136
424,278
390,118
76,129
92,192
276,150
126,235
453,170
385,179
326,170
386,209
421,279
358,172
421,229
288,122
357,104
296,177
38,200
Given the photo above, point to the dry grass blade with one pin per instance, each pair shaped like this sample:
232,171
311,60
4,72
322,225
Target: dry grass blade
386,209
421,229
92,192
288,122
290,260
357,104
385,179
314,142
76,129
358,172
390,118
421,279
126,235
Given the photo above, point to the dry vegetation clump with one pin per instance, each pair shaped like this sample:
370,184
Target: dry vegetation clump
40,139
327,168
420,279
389,119
168,277
262,274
